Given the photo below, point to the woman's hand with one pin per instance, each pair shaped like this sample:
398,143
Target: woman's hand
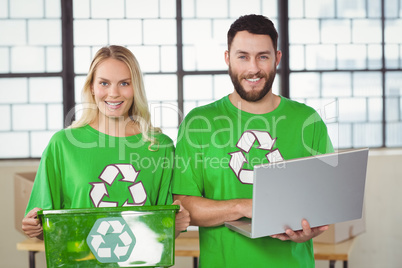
31,224
182,218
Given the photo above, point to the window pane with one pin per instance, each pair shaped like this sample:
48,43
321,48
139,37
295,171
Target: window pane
374,56
207,40
90,32
28,59
142,9
392,109
303,31
210,56
335,31
168,59
12,32
297,8
159,32
367,31
239,8
393,84
327,108
31,9
374,8
3,9
29,117
392,56
148,57
198,87
8,140
164,114
269,9
5,60
351,9
188,9
219,31
394,137
320,57
352,109
325,9
52,9
37,27
194,31
107,9
361,139
13,90
375,109
211,8
297,57
5,118
81,9
352,56
53,59
161,87
304,85
336,84
46,90
167,9
345,136
118,32
391,8
55,116
393,31
189,58
82,59
367,84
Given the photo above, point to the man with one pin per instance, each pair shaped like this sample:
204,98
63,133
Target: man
218,145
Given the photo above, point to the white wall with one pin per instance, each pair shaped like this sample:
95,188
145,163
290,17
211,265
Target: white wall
380,246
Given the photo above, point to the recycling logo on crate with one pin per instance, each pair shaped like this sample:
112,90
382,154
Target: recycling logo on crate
108,176
111,240
245,144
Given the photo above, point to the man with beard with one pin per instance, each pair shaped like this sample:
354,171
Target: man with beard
219,144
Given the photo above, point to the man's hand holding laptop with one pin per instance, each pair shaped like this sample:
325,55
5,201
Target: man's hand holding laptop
303,235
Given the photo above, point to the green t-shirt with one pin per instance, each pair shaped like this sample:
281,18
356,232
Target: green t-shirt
217,148
83,168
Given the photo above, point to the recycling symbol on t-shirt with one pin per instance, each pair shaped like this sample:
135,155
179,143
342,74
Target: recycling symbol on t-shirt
108,176
245,144
111,240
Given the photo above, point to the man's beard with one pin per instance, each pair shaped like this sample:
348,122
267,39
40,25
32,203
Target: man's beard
253,95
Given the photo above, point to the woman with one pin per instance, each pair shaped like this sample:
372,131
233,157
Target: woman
112,156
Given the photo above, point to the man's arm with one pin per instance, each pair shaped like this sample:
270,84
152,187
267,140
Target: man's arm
207,213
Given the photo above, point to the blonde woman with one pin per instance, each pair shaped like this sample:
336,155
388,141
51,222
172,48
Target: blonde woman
114,135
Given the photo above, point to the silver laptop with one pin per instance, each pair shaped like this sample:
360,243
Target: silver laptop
322,189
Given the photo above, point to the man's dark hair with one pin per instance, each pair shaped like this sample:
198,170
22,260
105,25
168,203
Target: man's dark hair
254,24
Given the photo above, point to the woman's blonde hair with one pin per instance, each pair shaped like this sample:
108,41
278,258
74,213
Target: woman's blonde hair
139,111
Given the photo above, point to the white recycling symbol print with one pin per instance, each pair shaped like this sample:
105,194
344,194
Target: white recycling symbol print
108,176
111,240
245,143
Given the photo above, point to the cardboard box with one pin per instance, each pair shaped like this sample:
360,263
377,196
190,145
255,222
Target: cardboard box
23,183
342,231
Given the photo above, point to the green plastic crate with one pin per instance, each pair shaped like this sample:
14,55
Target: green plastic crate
142,236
